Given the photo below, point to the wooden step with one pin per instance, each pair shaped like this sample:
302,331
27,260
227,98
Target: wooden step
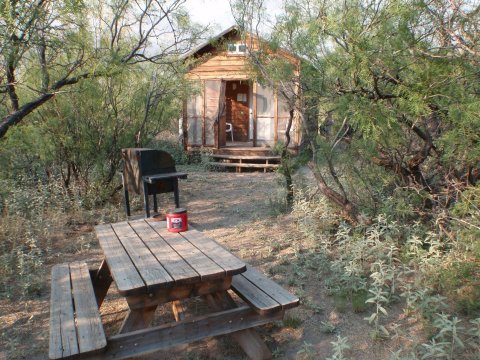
246,157
245,165
257,151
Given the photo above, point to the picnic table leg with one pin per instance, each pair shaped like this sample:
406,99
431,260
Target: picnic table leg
248,339
101,281
178,310
138,319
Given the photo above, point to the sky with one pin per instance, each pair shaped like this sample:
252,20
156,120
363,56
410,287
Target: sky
211,11
218,13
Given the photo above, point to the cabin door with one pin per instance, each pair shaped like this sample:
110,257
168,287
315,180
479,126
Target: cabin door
237,109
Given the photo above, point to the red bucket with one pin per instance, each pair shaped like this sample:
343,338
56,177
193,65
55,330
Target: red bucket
177,220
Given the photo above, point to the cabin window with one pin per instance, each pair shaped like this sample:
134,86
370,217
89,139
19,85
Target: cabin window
242,97
236,48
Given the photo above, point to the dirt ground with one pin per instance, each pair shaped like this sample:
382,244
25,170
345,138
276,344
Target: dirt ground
241,211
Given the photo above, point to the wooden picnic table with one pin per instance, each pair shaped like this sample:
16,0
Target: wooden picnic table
151,266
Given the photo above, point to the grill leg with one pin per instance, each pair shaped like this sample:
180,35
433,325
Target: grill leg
125,196
145,200
155,204
175,192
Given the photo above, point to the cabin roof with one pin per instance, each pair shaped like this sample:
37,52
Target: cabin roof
210,44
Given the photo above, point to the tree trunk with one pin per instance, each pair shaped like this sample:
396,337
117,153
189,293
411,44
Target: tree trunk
287,171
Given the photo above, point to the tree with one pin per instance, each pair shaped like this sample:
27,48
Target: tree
48,45
392,88
275,70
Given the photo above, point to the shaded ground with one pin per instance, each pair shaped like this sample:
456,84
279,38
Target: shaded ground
242,212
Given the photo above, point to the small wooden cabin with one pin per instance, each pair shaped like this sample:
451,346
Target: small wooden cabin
231,109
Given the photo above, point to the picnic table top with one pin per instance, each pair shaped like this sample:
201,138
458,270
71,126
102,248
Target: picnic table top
143,255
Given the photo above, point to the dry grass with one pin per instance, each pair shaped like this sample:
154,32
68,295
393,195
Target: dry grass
235,209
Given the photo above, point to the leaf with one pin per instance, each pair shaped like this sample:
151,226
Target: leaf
383,310
371,318
384,330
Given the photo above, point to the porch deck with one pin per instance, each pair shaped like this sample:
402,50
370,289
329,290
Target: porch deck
244,148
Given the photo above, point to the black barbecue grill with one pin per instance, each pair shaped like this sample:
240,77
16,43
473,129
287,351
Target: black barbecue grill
149,172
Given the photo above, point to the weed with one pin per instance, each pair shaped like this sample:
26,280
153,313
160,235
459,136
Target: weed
359,301
317,309
292,321
328,327
308,351
277,353
339,347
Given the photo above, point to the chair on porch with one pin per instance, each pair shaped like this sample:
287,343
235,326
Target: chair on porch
229,129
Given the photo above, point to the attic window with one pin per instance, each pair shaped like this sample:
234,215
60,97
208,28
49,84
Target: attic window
236,48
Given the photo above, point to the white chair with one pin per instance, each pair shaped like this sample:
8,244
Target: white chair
230,129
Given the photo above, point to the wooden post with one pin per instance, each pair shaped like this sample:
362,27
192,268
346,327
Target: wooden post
248,339
275,115
178,310
138,319
203,112
185,125
254,94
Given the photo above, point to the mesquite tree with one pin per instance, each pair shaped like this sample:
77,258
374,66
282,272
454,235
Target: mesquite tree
392,90
67,41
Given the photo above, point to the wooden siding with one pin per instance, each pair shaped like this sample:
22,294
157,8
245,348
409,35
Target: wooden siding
222,66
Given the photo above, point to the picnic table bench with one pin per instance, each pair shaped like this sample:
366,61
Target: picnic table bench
151,266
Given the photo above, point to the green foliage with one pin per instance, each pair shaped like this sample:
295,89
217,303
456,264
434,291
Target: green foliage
78,138
339,347
327,327
307,351
40,220
292,321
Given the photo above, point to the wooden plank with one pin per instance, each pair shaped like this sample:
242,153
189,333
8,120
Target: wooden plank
224,61
63,336
278,293
216,75
148,341
90,334
178,292
203,265
121,267
180,271
246,157
254,296
245,165
221,68
222,257
147,265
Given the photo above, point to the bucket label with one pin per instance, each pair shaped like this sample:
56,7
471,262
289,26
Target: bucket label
177,223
